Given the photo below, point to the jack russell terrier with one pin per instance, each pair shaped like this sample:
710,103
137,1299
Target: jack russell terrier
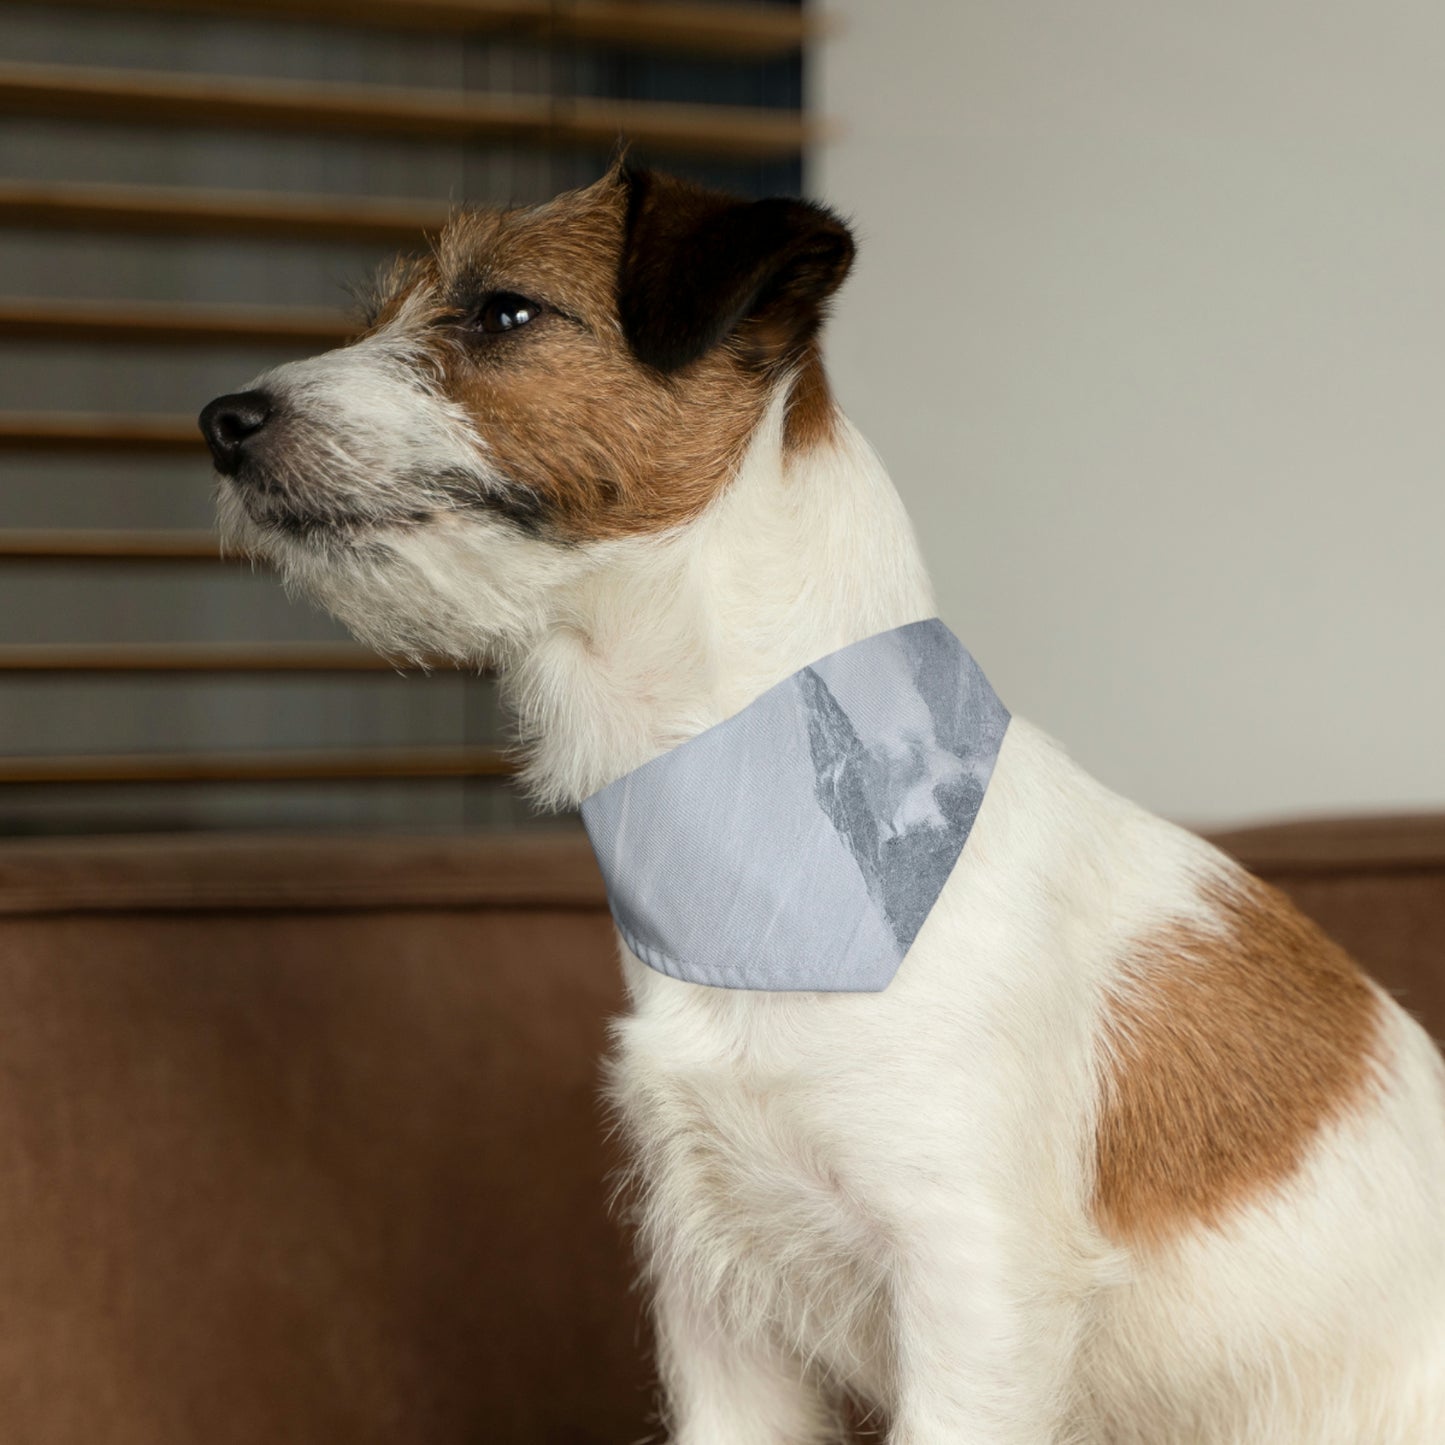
955,1085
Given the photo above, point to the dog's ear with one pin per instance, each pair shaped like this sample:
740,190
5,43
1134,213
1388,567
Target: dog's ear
699,267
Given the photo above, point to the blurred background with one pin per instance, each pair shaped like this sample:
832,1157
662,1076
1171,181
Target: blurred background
301,1005
190,194
1148,325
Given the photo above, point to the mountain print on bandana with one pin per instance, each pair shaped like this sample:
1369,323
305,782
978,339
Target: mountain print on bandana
801,844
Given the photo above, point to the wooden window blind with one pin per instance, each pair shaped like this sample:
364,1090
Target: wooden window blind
187,190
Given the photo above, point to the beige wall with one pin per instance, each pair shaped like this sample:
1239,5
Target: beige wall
1149,324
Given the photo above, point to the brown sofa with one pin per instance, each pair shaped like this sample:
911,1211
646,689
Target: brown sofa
299,1140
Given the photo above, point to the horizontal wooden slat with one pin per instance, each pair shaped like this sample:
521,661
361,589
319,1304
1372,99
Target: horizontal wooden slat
107,546
1365,843
359,764
215,101
171,324
179,657
174,211
705,29
309,871
94,431
324,871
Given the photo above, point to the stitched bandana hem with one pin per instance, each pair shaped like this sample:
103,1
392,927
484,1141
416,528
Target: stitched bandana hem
800,844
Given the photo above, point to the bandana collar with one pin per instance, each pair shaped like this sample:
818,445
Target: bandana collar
800,844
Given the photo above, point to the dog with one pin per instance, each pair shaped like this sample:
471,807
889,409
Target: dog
1127,1152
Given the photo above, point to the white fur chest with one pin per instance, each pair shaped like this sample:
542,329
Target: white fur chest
738,1106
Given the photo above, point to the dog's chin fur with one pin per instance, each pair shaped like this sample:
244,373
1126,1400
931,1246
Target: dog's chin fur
448,586
1127,1153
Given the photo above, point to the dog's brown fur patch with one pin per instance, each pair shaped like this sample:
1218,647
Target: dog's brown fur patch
812,416
603,445
1228,1050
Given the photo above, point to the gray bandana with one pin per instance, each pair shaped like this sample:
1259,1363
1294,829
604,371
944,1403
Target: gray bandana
800,844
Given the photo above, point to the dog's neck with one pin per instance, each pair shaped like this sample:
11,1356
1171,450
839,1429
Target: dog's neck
804,553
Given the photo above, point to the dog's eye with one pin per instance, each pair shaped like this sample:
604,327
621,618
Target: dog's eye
505,311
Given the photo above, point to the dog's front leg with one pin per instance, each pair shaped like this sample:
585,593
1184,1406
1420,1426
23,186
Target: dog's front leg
985,1347
722,1389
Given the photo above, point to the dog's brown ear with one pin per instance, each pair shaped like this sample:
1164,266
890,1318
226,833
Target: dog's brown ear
699,267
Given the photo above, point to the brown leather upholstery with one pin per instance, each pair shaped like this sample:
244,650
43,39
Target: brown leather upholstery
299,1142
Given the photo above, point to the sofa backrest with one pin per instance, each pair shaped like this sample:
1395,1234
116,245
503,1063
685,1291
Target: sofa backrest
300,1142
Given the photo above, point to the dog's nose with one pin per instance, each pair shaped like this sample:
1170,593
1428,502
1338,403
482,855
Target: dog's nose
229,422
